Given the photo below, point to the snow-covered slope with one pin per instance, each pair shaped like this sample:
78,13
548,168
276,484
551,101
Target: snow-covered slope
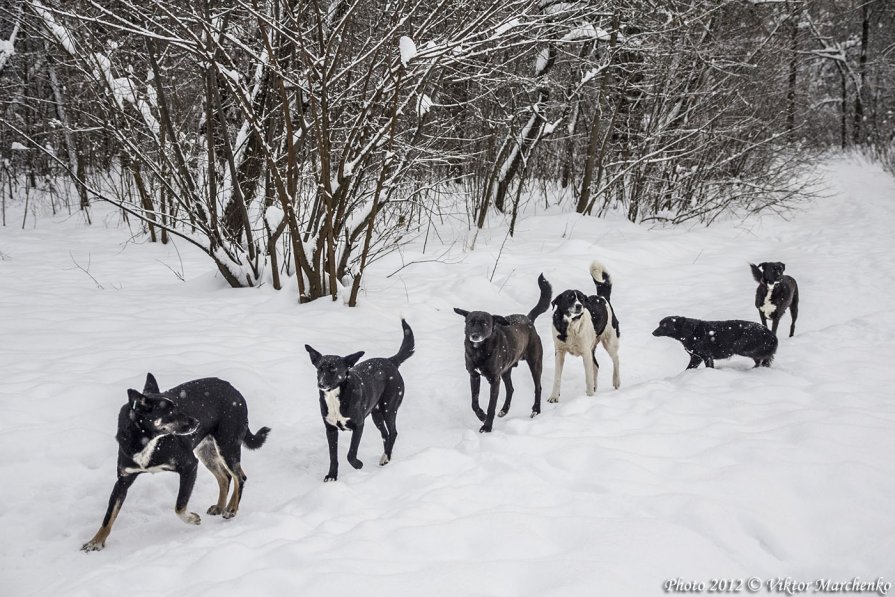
724,473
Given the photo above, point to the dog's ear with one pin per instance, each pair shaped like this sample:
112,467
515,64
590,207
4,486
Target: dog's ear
151,386
315,356
137,401
756,272
500,319
553,302
352,359
782,266
581,297
461,312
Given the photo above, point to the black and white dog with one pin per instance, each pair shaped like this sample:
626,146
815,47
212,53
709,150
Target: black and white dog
349,391
775,294
159,431
494,345
706,341
581,322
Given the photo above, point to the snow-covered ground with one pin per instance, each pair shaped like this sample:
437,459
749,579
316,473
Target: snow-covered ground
693,475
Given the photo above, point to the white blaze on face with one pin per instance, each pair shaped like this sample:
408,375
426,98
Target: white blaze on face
768,307
333,413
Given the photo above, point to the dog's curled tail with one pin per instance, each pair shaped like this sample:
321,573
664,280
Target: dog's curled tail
544,301
602,280
253,441
407,346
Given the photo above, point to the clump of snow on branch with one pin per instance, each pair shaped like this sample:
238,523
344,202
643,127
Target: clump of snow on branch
408,49
423,105
542,61
59,32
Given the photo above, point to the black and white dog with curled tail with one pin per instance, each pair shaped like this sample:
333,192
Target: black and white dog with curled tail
581,322
494,345
350,391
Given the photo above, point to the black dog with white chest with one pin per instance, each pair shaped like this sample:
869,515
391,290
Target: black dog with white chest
159,431
350,391
706,341
775,294
494,345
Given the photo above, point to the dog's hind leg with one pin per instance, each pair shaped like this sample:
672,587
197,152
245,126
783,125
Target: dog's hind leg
559,360
208,453
187,480
535,360
475,384
378,420
794,311
591,368
392,436
611,346
119,492
508,386
231,456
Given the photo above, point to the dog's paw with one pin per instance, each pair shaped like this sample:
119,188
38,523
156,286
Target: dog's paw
228,514
384,460
356,463
332,477
189,517
502,413
485,429
534,413
553,399
93,545
215,510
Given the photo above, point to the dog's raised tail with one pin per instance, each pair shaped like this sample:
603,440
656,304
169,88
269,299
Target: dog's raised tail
602,280
253,441
407,346
544,301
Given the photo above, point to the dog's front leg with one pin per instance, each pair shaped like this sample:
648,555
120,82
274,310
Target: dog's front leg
695,360
119,492
355,443
475,384
764,320
558,361
590,373
332,440
492,404
775,321
187,480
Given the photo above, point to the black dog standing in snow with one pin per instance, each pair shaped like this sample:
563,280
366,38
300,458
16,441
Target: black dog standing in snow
494,345
706,341
350,391
776,293
159,431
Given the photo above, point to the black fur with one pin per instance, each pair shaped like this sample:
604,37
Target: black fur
494,345
706,341
785,293
373,387
178,421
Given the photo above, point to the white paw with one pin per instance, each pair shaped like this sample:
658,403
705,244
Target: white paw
189,517
553,399
384,460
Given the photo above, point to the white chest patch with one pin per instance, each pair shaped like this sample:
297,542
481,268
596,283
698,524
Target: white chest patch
144,457
580,336
768,307
333,413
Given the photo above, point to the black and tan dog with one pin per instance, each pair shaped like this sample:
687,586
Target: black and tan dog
350,391
775,294
706,341
581,322
159,431
494,345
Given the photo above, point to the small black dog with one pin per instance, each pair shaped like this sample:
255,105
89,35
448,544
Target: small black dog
710,340
494,345
159,431
581,322
350,391
776,293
